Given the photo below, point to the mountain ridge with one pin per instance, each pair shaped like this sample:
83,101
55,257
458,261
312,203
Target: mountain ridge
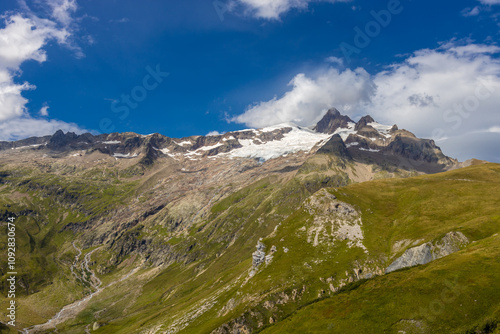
362,139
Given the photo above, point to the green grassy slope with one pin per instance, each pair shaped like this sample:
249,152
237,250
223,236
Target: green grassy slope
421,208
455,294
207,283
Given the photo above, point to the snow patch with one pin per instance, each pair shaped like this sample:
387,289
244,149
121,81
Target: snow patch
368,149
208,148
125,156
299,139
112,142
384,130
21,147
185,143
345,132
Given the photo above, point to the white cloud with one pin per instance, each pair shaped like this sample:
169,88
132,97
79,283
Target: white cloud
309,98
22,38
471,11
335,60
459,83
23,127
62,10
214,133
273,9
490,2
494,129
44,111
436,93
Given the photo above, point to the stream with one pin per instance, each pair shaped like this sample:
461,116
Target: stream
71,310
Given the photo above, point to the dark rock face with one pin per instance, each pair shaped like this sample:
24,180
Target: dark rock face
335,146
59,140
332,121
416,149
364,122
32,141
368,131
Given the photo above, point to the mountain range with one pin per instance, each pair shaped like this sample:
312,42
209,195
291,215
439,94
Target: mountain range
341,227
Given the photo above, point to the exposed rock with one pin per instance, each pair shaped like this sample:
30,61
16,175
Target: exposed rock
418,149
425,253
96,326
335,146
333,220
364,122
259,255
332,121
369,132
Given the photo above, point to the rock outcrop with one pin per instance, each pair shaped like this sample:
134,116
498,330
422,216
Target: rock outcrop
332,121
430,251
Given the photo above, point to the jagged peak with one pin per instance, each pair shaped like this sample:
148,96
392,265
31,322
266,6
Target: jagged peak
364,121
332,121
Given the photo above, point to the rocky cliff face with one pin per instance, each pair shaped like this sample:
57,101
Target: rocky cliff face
430,251
332,121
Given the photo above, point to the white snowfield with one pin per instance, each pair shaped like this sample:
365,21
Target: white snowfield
112,142
344,133
299,139
384,130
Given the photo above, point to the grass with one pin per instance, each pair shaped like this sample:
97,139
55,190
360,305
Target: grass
212,259
443,296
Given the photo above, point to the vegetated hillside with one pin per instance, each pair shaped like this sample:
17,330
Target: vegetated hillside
459,293
319,266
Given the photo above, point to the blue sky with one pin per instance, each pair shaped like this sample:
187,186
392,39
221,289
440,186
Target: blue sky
430,67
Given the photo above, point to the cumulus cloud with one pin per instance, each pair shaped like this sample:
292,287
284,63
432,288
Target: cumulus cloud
62,10
471,11
44,111
335,61
214,133
24,127
309,98
441,93
273,9
457,88
22,38
490,2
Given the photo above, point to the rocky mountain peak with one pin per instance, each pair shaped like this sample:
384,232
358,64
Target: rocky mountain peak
60,139
332,121
364,121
